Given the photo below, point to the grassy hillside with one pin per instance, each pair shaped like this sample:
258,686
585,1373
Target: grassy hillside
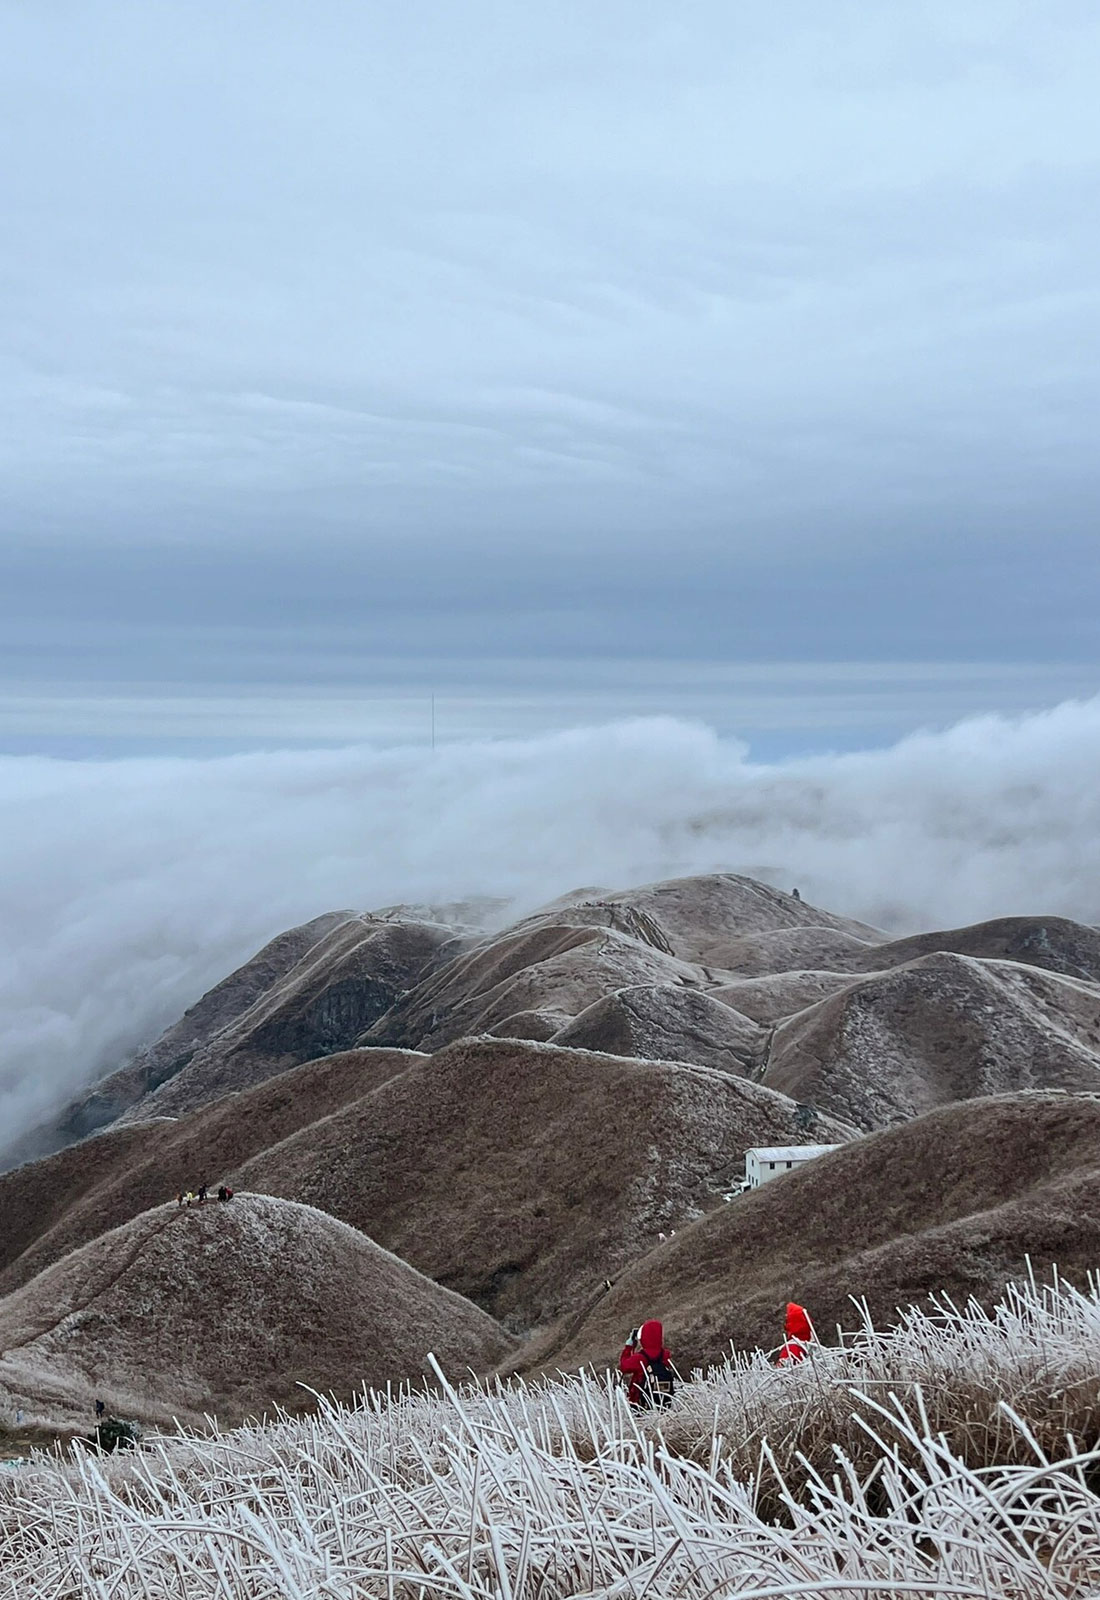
957,1202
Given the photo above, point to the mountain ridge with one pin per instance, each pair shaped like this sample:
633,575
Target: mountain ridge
548,1121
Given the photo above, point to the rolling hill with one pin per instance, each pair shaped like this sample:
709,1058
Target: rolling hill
52,1206
522,1174
943,1027
520,1115
227,1308
956,1202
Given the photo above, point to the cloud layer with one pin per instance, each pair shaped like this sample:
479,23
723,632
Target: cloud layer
130,887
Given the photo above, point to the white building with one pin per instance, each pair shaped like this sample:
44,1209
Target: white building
768,1161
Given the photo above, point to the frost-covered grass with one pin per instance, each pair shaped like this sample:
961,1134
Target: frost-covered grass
957,1456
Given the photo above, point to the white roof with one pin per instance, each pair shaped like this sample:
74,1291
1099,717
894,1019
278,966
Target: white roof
789,1152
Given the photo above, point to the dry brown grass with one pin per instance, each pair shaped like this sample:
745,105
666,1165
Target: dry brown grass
558,967
340,987
55,1205
228,1309
522,1174
955,1202
1009,1386
199,1024
1053,943
663,1022
941,1029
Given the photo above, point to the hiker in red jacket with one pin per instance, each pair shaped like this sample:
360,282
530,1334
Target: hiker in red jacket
646,1367
800,1332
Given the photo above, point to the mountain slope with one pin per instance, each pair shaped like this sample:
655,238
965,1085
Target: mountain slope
702,916
51,1207
523,1174
955,1202
769,999
667,1023
227,1308
216,1010
944,1027
555,969
1053,943
344,982
537,977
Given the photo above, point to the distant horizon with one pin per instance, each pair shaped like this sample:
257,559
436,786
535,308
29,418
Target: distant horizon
779,710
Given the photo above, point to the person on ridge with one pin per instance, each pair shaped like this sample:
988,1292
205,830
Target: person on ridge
646,1367
800,1334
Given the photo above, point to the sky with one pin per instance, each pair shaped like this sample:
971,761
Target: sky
682,416
567,362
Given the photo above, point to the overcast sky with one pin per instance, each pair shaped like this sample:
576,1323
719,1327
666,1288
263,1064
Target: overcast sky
344,337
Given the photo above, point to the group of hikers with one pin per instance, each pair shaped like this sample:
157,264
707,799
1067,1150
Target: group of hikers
189,1197
649,1373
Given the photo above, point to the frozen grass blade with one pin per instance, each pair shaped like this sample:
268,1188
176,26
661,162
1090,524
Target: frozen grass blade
935,1460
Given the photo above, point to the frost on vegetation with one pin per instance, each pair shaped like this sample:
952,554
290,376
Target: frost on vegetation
954,1456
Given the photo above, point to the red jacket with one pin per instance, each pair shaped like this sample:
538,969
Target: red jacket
800,1331
633,1364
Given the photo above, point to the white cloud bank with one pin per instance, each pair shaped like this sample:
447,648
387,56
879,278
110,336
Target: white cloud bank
130,887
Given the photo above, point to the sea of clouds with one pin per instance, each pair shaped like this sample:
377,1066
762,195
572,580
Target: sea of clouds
129,887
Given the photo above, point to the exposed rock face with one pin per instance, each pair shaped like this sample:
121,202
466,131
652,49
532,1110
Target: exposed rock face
620,916
667,1023
956,1202
227,1308
523,1174
944,1027
345,981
